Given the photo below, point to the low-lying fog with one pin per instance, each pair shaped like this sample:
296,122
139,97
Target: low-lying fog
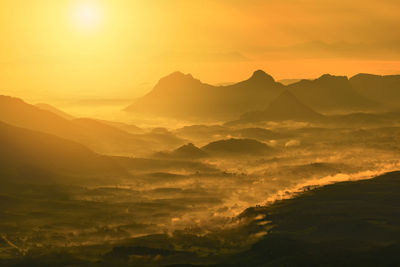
202,193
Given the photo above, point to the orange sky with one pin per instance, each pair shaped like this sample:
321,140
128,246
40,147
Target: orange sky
120,48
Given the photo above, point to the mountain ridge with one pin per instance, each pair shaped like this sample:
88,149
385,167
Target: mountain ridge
181,95
29,155
285,107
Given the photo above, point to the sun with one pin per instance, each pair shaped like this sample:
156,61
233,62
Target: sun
87,16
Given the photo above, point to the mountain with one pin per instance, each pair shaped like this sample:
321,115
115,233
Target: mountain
54,110
383,89
354,223
237,147
130,128
285,107
330,93
182,96
189,151
186,152
34,156
16,112
98,136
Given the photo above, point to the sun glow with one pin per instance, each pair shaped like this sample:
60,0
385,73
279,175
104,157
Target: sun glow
87,16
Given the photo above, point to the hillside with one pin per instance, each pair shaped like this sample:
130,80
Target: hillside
189,151
383,89
344,224
284,107
33,156
54,110
330,93
239,147
101,137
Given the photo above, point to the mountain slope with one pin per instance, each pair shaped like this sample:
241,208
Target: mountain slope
98,136
383,89
32,155
235,146
330,93
181,96
189,151
54,110
343,224
285,107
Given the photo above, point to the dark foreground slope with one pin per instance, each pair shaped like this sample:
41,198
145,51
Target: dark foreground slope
345,224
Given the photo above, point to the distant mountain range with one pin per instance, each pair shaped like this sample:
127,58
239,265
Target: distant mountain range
182,96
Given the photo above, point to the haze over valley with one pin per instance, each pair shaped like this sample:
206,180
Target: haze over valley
120,183
199,133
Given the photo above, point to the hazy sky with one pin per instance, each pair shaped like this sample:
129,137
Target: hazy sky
120,48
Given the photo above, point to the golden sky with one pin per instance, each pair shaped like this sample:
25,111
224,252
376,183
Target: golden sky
120,48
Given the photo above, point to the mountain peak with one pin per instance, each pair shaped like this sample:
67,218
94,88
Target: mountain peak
179,75
329,77
178,78
285,107
189,150
260,75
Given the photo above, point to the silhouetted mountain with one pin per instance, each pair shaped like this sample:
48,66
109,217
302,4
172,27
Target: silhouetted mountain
330,93
258,80
54,110
189,151
34,156
182,96
16,112
383,89
285,107
237,147
94,134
